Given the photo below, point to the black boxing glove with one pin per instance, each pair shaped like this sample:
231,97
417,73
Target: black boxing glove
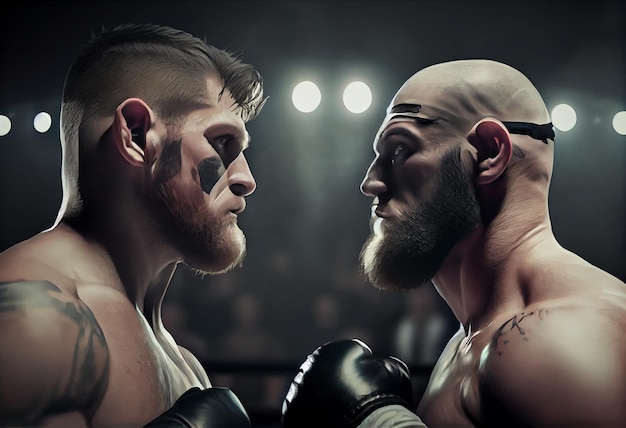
342,383
204,408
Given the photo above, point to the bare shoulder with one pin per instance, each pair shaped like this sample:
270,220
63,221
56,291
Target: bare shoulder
53,355
560,363
44,256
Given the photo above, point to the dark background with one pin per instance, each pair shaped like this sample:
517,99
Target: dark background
307,220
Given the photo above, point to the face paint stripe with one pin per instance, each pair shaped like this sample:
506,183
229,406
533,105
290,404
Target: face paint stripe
169,163
210,170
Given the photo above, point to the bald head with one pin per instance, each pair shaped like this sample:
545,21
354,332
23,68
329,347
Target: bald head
465,91
462,143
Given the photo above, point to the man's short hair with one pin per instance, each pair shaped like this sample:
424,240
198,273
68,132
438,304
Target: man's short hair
165,67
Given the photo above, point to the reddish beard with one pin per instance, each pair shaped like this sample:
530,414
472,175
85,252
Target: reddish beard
207,242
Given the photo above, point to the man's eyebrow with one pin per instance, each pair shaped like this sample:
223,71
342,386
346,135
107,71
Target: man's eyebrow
395,131
381,141
406,108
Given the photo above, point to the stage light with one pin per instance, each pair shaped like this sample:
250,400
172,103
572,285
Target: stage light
306,96
42,122
619,122
563,117
357,97
5,125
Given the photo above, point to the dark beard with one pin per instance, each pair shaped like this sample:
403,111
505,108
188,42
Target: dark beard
413,247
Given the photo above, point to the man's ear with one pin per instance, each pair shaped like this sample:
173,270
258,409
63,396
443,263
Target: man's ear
133,119
493,143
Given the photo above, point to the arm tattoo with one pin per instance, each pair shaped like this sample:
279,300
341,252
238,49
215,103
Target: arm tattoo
88,376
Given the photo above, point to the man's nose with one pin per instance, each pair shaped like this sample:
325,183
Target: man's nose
372,184
240,179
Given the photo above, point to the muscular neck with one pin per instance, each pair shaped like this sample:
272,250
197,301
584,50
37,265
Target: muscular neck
481,275
139,257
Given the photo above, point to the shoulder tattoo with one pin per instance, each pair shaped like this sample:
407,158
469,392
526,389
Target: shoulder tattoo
514,328
88,375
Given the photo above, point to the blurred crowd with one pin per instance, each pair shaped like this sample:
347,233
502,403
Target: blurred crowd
276,313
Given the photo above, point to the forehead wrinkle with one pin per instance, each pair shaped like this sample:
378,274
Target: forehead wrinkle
448,95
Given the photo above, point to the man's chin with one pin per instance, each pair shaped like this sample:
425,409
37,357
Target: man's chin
220,257
383,270
217,263
370,263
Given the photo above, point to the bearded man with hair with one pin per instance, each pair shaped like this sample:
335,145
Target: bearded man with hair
153,133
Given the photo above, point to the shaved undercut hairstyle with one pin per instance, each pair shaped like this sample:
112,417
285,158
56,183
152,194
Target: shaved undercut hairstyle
165,67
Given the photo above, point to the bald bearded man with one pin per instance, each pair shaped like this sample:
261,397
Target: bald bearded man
460,185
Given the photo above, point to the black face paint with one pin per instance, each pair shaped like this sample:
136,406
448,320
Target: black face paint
169,162
406,108
210,170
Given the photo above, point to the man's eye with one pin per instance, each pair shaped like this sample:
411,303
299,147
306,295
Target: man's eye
227,146
222,140
398,152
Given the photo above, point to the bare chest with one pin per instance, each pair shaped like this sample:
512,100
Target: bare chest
452,397
147,373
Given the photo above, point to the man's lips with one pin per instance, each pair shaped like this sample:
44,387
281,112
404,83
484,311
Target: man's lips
381,212
380,209
238,207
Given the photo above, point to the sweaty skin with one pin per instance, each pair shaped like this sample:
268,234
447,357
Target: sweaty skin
90,357
91,300
542,341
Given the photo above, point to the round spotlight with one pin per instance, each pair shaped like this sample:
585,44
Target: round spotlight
5,125
357,97
42,122
619,122
563,117
306,96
